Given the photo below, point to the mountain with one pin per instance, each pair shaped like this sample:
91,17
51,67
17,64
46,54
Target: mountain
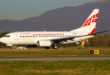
66,18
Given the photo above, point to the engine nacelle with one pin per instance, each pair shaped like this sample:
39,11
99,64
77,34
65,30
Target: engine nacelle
44,43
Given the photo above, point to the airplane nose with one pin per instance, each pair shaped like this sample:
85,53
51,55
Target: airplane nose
0,39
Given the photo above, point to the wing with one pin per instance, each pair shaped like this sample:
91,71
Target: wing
58,40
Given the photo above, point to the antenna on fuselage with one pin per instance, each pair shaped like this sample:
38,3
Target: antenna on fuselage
45,30
66,28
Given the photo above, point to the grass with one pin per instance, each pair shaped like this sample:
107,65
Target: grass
55,68
51,52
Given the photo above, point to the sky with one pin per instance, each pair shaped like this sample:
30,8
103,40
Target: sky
22,9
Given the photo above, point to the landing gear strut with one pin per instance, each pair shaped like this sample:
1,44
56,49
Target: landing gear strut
55,47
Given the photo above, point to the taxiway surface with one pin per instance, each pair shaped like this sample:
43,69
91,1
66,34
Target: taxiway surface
66,58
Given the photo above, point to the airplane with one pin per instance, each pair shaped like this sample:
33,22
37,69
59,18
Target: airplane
52,39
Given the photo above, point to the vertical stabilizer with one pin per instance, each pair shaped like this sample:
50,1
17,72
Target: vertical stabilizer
92,19
89,26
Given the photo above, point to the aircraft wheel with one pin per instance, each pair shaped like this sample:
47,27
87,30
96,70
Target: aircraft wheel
47,47
55,47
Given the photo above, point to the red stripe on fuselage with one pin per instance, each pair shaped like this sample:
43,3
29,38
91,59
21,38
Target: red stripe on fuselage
48,34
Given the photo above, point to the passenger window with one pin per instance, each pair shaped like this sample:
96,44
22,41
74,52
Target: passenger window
7,36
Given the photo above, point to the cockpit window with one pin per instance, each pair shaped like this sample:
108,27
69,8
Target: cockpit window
7,36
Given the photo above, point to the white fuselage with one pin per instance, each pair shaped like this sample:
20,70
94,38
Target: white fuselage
28,38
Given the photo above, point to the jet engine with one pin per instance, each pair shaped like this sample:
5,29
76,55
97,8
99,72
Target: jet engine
44,43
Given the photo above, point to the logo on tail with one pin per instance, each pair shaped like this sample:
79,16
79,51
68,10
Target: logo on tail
89,26
92,18
91,21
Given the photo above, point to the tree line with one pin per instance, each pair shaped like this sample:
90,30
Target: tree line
102,40
1,44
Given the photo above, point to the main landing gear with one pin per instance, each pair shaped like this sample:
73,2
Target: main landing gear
54,47
47,47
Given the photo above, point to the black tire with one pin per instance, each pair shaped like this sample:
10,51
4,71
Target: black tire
47,47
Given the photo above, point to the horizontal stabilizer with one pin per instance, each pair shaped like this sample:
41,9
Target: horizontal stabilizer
100,32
